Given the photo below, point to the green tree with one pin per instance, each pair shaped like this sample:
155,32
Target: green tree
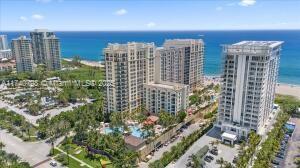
181,116
116,120
2,145
166,119
220,162
76,60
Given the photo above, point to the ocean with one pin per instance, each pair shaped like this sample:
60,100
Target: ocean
89,45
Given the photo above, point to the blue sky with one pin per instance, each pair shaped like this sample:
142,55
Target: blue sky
149,14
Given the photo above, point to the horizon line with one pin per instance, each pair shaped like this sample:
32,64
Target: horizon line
156,30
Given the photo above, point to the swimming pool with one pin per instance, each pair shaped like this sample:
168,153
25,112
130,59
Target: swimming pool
135,131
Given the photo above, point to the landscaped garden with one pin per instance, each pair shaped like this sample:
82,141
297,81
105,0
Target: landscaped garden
247,149
81,153
17,125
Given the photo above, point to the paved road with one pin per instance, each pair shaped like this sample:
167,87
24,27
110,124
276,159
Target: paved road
293,145
32,152
158,154
32,119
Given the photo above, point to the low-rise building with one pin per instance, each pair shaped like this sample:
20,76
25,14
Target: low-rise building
6,54
7,66
166,96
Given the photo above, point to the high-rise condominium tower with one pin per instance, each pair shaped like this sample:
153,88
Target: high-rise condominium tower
3,42
22,51
181,61
248,88
128,66
52,52
37,37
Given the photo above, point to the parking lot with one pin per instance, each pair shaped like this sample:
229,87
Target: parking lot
224,151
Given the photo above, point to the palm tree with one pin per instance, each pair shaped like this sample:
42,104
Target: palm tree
228,165
2,145
221,162
67,148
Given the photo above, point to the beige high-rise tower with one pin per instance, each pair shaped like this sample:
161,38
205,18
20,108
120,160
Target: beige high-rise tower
52,52
181,61
22,51
129,66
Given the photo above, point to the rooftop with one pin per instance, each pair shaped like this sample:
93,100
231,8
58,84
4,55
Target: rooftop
133,141
168,85
124,47
151,120
172,43
229,136
259,43
41,30
21,38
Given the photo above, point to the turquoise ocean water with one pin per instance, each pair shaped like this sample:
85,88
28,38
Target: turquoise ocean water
89,45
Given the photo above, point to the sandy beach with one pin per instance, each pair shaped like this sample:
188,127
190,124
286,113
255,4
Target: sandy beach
88,63
288,89
281,88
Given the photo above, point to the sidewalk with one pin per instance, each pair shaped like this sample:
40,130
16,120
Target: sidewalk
80,161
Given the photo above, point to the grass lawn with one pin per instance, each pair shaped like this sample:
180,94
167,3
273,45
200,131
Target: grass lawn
73,163
83,72
81,153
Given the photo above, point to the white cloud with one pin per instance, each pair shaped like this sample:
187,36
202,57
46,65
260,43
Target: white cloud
121,12
23,18
151,24
219,8
43,1
247,2
37,17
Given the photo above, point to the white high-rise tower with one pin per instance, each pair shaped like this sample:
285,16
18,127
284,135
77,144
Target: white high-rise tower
248,86
3,42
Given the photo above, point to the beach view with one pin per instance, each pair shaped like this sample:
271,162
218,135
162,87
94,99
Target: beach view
149,84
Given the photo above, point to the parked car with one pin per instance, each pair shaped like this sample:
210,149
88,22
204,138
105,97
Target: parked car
210,157
235,159
279,155
189,164
276,162
207,159
53,163
214,152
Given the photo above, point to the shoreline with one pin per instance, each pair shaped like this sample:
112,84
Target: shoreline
281,88
88,63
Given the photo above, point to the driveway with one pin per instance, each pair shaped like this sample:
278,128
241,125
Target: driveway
293,145
32,152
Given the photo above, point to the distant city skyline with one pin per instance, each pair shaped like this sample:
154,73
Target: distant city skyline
91,15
